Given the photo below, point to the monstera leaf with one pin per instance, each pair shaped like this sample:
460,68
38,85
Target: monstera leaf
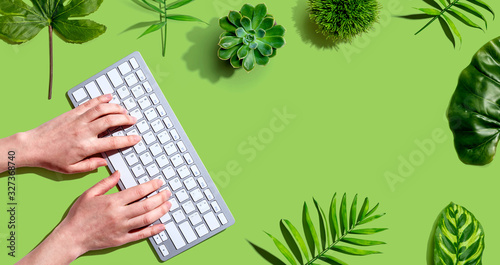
474,111
21,22
459,237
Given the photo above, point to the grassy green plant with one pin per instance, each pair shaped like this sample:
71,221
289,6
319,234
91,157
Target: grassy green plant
443,9
161,8
251,37
458,238
343,20
335,236
21,22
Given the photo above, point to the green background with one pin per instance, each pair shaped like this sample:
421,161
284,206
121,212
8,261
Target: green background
359,112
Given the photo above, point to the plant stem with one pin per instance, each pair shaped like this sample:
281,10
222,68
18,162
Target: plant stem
436,17
161,20
51,55
165,31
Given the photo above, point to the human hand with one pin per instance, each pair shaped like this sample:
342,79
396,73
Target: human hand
66,143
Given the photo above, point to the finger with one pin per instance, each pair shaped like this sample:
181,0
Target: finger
92,103
149,217
142,207
114,142
87,165
144,233
105,185
113,120
135,193
102,110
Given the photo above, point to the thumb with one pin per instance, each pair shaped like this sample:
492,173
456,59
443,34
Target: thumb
104,185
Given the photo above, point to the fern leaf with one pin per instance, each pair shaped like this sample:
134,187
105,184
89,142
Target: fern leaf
283,249
310,231
323,226
473,11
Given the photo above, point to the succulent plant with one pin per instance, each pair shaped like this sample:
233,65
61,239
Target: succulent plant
343,20
251,37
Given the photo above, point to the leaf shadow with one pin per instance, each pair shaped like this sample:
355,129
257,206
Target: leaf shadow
291,242
202,55
139,25
433,4
54,176
447,31
416,16
430,243
307,29
266,255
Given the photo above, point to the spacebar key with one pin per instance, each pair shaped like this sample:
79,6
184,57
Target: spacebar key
175,235
119,164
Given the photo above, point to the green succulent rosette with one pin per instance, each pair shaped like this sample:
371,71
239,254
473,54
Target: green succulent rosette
251,37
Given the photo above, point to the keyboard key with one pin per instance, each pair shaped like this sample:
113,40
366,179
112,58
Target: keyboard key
79,95
123,92
137,91
160,178
188,158
146,158
114,100
142,126
152,194
129,103
170,148
154,99
209,194
211,221
157,239
115,78
103,83
163,250
163,137
222,218
188,207
181,146
124,68
202,183
196,195
131,159
147,86
150,114
165,218
136,113
182,195
155,149
190,183
141,75
174,134
215,206
195,170
163,236
118,163
134,63
149,137
174,203
118,133
175,184
161,110
143,180
188,232
195,218
175,235
138,170
93,90
168,172
203,206
153,170
157,125
183,171
132,132
201,230
162,160
140,147
168,122
144,102
178,216
131,79
176,160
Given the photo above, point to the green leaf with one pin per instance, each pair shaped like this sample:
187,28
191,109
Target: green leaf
266,24
275,42
334,226
246,23
430,11
473,111
177,4
443,2
247,11
364,210
352,216
283,249
249,61
260,33
332,260
240,32
372,210
483,5
367,231
227,54
259,13
265,48
459,237
343,216
184,18
235,61
80,8
15,8
226,25
323,226
369,219
78,31
154,28
453,27
473,11
229,42
276,31
463,18
361,242
235,18
155,8
16,30
310,231
243,51
295,232
354,251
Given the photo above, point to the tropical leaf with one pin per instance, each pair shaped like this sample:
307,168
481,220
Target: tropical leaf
451,8
337,234
458,238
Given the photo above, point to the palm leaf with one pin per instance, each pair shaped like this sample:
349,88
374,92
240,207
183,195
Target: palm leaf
451,8
340,229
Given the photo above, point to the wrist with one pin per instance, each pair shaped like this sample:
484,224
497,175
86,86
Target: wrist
69,244
26,153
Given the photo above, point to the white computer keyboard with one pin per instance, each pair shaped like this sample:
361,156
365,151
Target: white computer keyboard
165,152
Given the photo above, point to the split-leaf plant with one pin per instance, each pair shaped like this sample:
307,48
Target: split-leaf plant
458,238
21,22
443,9
338,233
161,8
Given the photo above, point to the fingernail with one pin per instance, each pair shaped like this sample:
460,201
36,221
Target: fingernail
109,96
169,204
136,138
158,183
102,163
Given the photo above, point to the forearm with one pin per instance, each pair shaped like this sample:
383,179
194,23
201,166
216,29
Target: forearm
15,149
